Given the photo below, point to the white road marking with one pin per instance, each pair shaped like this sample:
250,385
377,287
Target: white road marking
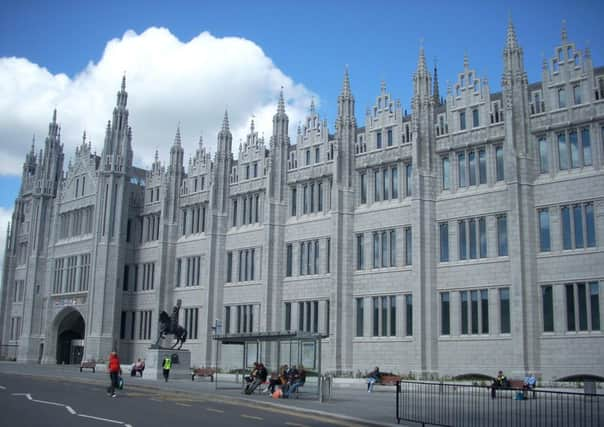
215,410
70,409
287,423
2,387
101,419
183,404
251,417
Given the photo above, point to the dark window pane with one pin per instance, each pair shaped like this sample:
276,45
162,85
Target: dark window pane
544,239
590,225
484,311
376,316
578,219
464,312
594,303
582,300
360,317
504,304
548,309
570,308
474,311
409,314
566,229
445,327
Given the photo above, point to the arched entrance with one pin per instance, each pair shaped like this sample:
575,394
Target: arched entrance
70,338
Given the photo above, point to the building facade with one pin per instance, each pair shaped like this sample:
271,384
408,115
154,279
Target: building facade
465,237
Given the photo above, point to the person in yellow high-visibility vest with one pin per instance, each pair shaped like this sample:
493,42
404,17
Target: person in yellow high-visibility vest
167,366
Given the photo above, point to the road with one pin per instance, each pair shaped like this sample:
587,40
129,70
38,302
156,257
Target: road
34,401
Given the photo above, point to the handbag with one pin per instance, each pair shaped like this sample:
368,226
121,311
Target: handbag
278,394
120,383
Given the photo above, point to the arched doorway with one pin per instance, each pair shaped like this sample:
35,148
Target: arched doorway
70,338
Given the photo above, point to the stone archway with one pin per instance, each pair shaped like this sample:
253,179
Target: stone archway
69,336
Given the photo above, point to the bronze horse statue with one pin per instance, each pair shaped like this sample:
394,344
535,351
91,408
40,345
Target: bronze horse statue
168,325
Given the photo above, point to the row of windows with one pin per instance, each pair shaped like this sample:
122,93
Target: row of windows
153,194
471,168
384,245
79,189
472,238
71,274
573,150
191,322
309,257
15,328
308,316
76,222
383,316
18,290
317,157
312,196
139,277
246,209
581,302
193,219
199,183
239,319
475,119
188,271
129,322
150,230
246,265
578,229
474,312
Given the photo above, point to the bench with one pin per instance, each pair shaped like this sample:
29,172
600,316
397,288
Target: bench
203,372
88,364
388,379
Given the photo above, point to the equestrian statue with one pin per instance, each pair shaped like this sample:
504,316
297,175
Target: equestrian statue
168,325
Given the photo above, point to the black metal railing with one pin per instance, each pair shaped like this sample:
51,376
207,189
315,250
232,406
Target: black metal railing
440,404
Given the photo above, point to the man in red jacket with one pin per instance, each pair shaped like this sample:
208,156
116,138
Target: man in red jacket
115,370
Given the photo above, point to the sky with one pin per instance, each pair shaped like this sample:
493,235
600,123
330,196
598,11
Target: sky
187,61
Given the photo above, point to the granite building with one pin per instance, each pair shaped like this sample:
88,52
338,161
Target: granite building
465,237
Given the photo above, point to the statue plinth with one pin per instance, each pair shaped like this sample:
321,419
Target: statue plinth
155,359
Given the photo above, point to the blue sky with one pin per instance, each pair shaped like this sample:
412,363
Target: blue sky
311,41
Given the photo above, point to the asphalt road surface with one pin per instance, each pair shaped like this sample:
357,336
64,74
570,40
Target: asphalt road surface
34,401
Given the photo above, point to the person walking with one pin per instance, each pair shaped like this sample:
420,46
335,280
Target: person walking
115,371
167,366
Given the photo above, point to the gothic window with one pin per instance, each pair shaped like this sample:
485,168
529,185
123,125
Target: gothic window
462,120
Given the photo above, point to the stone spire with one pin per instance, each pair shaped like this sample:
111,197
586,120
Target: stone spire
346,99
280,123
281,105
512,54
312,106
176,154
435,91
225,138
122,95
511,41
421,78
346,84
563,33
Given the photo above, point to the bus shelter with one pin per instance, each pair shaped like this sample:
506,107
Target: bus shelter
295,348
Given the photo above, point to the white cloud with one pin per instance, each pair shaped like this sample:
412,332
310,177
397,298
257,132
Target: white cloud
5,217
167,81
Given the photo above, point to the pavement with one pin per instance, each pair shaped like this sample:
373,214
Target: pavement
349,403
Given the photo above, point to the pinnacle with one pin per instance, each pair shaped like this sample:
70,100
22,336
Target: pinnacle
312,105
177,137
225,122
563,33
421,63
346,85
54,116
512,42
281,106
124,82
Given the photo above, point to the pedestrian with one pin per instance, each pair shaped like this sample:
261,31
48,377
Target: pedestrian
372,378
499,382
530,382
167,366
115,370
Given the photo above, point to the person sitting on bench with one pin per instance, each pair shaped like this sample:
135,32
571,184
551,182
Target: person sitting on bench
138,368
298,380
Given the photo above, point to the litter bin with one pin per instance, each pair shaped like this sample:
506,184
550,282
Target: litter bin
589,387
